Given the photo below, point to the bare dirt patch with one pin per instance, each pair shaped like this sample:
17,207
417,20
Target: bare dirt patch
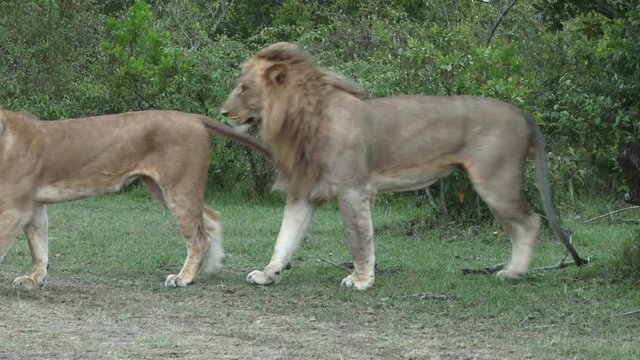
82,318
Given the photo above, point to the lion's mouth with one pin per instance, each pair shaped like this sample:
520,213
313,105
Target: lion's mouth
237,118
248,121
240,124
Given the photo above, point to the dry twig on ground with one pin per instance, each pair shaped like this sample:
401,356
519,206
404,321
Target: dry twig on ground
422,296
495,268
485,270
628,313
612,213
334,264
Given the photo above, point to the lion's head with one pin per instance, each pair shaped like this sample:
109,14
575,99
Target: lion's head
282,88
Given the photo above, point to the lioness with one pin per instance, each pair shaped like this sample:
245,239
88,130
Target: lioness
52,161
329,141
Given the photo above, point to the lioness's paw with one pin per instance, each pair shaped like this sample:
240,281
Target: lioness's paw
176,281
358,282
510,275
257,277
29,283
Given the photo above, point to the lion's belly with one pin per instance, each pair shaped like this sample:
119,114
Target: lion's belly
407,179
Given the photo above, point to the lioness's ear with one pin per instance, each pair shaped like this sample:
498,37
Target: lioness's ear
276,74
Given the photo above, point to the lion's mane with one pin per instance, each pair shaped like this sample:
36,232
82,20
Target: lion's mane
294,115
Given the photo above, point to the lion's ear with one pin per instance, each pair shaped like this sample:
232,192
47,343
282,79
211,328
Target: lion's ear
276,74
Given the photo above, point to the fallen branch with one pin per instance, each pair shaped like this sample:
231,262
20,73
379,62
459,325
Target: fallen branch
422,296
568,244
348,266
528,318
559,265
628,313
485,270
612,213
334,264
495,268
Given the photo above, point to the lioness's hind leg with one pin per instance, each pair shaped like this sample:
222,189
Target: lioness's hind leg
37,234
154,189
198,229
191,224
185,201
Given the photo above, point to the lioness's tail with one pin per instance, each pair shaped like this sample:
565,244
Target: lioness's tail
544,186
228,132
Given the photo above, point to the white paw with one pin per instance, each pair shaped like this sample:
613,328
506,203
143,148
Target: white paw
28,283
357,282
510,274
175,281
257,277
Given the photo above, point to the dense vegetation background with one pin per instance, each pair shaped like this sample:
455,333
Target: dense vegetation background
574,64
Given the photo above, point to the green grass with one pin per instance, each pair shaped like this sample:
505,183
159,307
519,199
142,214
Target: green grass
109,256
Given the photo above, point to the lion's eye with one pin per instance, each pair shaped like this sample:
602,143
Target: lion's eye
243,88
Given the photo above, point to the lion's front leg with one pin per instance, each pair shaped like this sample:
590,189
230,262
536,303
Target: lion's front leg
37,233
355,207
295,222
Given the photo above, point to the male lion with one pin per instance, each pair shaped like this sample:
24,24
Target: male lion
52,161
329,141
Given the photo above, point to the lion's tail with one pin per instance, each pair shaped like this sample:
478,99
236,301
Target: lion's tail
544,186
228,132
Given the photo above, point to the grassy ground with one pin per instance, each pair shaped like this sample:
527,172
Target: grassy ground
109,257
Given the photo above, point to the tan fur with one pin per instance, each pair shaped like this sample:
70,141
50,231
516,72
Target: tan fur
45,162
330,141
295,130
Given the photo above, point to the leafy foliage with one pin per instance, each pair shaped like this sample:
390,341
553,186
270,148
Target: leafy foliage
573,64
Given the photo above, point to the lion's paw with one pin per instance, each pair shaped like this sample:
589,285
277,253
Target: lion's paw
510,275
29,283
357,282
213,268
257,277
175,281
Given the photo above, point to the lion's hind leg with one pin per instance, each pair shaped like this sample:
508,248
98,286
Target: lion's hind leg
37,234
355,208
523,230
502,190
